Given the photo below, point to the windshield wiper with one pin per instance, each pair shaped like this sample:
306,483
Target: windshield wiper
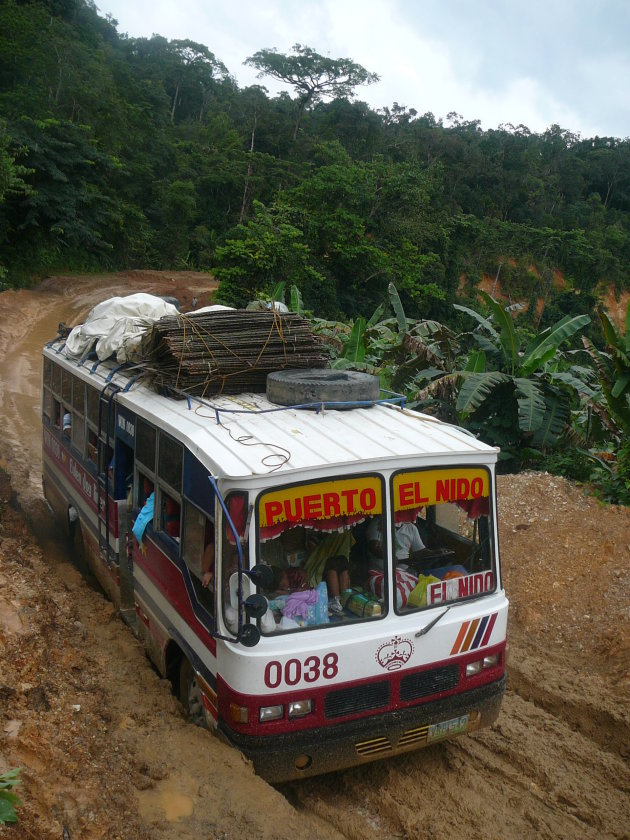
431,624
442,614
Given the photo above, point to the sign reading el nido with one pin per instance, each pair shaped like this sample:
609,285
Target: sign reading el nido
324,500
433,487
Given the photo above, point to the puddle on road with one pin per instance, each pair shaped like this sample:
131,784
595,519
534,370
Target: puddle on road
165,803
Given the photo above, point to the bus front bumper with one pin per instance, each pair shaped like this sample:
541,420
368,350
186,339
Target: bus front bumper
286,757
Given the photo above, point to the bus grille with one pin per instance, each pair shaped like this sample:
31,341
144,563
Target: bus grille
381,745
425,683
348,701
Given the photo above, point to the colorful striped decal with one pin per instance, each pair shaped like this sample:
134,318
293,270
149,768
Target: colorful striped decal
474,634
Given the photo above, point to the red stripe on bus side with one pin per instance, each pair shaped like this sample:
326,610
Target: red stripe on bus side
487,634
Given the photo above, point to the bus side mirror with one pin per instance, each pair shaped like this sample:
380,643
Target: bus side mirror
250,635
256,606
262,575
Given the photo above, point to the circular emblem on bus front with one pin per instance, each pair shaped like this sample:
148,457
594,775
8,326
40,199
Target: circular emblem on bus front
394,654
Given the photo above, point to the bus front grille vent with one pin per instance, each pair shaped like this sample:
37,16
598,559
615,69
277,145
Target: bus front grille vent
349,701
412,737
375,746
425,683
378,746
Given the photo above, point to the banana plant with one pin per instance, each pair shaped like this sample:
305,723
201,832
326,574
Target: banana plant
508,393
613,369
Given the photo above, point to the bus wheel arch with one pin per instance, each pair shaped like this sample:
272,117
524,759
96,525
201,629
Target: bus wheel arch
190,695
75,532
183,679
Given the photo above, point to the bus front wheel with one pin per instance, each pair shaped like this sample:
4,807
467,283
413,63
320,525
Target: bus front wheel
190,694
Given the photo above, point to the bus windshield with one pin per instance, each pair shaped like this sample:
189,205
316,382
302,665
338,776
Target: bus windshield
314,537
336,552
443,544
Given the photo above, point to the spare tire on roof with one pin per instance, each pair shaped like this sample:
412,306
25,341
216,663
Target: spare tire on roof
315,385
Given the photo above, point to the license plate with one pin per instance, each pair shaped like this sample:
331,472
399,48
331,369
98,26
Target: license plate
446,728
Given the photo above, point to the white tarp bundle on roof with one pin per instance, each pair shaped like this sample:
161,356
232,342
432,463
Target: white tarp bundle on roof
116,326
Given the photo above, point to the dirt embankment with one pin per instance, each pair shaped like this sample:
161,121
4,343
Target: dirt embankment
106,754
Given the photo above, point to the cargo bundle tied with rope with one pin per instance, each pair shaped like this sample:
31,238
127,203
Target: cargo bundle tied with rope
227,351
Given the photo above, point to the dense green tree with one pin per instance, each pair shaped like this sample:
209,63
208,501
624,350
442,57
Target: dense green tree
258,255
314,76
66,211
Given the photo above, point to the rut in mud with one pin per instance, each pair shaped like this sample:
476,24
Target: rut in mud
104,749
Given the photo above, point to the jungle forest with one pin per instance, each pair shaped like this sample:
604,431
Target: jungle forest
466,267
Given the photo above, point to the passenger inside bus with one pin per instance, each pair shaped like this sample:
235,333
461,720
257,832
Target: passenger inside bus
92,446
144,518
207,562
198,553
170,519
304,558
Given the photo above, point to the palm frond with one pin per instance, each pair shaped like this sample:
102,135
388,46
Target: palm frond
485,322
476,362
476,389
278,292
548,342
531,404
577,383
554,422
297,304
429,352
510,341
398,307
376,315
355,347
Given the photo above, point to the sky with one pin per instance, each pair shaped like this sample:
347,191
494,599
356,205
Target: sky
526,62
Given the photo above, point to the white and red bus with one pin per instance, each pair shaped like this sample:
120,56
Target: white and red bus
353,607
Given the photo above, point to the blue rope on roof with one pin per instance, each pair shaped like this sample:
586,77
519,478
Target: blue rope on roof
317,406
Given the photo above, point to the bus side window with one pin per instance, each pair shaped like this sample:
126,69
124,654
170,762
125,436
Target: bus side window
170,518
145,488
198,554
92,446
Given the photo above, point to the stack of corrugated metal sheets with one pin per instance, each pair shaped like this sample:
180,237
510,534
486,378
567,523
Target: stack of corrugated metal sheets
228,351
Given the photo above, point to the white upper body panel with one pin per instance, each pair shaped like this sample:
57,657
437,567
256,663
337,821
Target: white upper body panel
247,436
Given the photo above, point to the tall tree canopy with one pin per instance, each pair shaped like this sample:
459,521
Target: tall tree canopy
314,76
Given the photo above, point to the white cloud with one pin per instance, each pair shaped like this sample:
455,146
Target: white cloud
499,61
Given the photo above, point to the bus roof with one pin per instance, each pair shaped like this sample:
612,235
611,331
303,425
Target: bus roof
247,436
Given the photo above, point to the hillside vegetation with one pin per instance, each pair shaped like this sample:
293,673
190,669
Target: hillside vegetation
121,152
133,153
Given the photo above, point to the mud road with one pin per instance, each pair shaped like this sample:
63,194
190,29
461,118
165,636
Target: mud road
106,754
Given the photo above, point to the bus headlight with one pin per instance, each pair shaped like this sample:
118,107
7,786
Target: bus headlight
300,708
481,664
268,713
